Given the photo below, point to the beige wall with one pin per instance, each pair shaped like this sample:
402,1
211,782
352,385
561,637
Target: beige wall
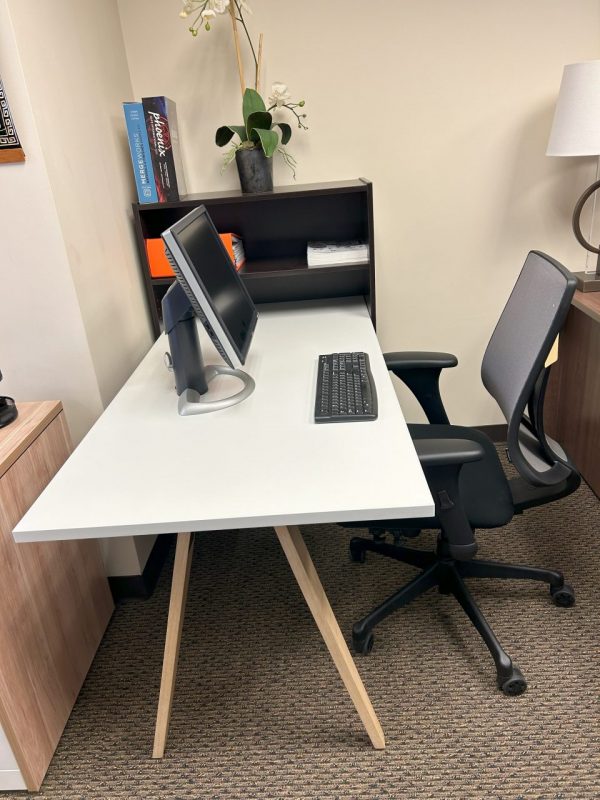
77,77
44,352
445,106
73,322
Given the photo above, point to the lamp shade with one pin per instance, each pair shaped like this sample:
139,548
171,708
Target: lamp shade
576,126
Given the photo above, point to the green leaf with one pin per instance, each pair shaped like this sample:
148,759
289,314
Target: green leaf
240,130
269,141
259,119
252,102
223,135
226,132
286,131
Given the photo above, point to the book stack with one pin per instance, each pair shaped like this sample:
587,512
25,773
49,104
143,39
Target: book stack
330,254
155,153
235,248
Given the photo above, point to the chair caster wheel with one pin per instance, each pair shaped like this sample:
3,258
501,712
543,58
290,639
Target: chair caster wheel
357,553
563,596
514,685
363,644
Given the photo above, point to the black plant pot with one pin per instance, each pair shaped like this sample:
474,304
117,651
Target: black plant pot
255,170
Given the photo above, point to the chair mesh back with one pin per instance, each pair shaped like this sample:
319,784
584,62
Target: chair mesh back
523,337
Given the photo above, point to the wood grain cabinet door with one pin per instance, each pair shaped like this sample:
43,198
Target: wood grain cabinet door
54,607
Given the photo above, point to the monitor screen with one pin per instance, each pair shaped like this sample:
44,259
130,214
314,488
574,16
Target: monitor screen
216,291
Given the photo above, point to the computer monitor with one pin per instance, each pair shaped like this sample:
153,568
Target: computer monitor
214,292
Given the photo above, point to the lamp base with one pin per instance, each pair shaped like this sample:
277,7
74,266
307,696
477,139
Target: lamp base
587,281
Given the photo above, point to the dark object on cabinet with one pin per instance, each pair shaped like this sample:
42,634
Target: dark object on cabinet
275,228
468,484
573,404
8,409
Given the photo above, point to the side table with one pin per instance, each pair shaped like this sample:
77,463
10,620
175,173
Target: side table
573,395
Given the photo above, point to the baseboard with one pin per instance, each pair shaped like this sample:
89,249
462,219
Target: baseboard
142,586
497,433
11,780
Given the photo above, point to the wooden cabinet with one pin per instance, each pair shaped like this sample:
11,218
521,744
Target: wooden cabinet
55,603
275,228
572,414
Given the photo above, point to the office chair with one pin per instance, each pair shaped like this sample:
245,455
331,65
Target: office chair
468,484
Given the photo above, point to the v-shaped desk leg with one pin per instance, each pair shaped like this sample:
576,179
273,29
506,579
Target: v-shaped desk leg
305,573
179,588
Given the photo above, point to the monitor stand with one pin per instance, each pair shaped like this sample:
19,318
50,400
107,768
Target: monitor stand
185,360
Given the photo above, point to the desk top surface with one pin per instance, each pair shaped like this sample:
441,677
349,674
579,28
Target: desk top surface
143,469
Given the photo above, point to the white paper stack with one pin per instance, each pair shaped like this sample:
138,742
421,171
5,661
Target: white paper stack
328,254
238,251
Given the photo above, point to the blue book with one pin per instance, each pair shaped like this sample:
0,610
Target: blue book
140,153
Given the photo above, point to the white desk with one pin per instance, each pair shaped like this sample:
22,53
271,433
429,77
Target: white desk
143,469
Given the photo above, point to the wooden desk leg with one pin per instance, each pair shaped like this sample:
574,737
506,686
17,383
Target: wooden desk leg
179,588
305,573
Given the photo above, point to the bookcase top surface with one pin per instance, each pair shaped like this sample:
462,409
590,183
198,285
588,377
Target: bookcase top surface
296,190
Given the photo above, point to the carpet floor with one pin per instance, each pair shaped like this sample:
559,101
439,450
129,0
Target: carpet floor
260,712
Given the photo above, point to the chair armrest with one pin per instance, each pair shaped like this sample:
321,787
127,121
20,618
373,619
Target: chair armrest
442,460
447,452
421,373
417,360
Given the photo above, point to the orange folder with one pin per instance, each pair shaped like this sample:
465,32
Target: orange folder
160,267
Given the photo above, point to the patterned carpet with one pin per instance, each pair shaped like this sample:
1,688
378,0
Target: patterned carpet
260,712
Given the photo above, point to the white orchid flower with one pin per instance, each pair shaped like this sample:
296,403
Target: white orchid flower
207,15
279,95
218,6
188,8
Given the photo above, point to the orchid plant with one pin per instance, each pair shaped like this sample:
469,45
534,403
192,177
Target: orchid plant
258,128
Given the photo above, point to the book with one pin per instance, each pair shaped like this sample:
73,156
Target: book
160,267
163,138
140,152
327,254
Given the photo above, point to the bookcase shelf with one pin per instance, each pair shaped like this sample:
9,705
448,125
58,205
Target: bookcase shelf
275,228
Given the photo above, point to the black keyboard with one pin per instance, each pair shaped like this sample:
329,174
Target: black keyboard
345,388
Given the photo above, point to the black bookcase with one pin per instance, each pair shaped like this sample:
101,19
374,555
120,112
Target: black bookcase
275,228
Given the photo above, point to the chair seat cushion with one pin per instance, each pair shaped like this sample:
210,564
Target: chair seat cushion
483,485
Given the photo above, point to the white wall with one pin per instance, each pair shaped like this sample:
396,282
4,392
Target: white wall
73,320
445,106
44,352
76,96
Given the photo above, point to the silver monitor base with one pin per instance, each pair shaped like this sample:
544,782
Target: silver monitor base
190,402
